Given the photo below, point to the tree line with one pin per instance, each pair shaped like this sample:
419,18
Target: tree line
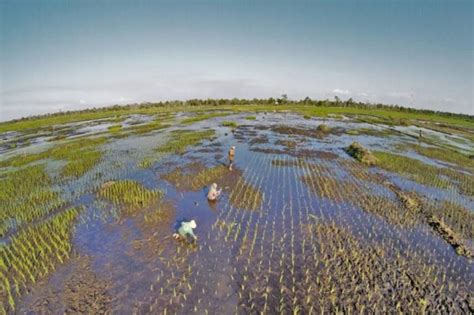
283,100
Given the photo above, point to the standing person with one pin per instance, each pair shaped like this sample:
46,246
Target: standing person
231,157
213,192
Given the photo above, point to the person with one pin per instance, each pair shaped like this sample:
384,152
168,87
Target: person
213,192
231,157
185,230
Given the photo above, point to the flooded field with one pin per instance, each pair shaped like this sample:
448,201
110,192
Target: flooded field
306,223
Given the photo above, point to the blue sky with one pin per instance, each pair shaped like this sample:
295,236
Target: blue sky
62,55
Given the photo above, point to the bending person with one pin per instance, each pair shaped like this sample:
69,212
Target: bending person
213,192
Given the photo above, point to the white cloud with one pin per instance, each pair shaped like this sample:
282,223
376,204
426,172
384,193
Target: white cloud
405,95
340,91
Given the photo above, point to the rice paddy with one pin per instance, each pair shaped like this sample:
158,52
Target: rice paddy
333,214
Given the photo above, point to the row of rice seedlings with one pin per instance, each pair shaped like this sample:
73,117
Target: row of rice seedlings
149,161
249,230
26,196
288,300
148,127
249,199
230,124
85,161
413,169
201,117
373,132
129,194
181,139
460,219
438,177
81,154
35,252
114,129
414,213
163,212
200,284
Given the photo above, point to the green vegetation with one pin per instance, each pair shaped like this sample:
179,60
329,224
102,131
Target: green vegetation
130,194
196,180
246,197
307,107
449,156
201,117
73,150
148,161
149,127
251,117
323,128
33,253
370,132
231,124
413,169
25,196
181,139
361,154
115,129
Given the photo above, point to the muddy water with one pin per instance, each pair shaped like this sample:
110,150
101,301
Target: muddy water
240,254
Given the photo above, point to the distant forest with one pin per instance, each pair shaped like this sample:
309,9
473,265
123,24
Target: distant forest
283,100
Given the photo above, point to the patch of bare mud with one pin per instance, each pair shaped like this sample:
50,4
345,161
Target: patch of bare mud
80,291
196,176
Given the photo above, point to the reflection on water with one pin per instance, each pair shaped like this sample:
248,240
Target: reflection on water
241,255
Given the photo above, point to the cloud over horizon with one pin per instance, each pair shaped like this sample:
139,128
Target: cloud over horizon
74,55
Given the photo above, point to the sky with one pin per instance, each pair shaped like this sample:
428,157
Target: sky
65,55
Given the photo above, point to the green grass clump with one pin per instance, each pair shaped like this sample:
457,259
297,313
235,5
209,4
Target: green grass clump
413,169
68,151
25,196
35,252
323,128
149,127
192,120
182,139
361,154
369,132
231,124
251,117
78,167
130,194
115,128
148,161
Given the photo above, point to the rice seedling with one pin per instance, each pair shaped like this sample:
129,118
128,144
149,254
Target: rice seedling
441,154
115,129
231,124
201,117
180,140
249,198
130,194
26,196
381,133
34,252
413,169
148,127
